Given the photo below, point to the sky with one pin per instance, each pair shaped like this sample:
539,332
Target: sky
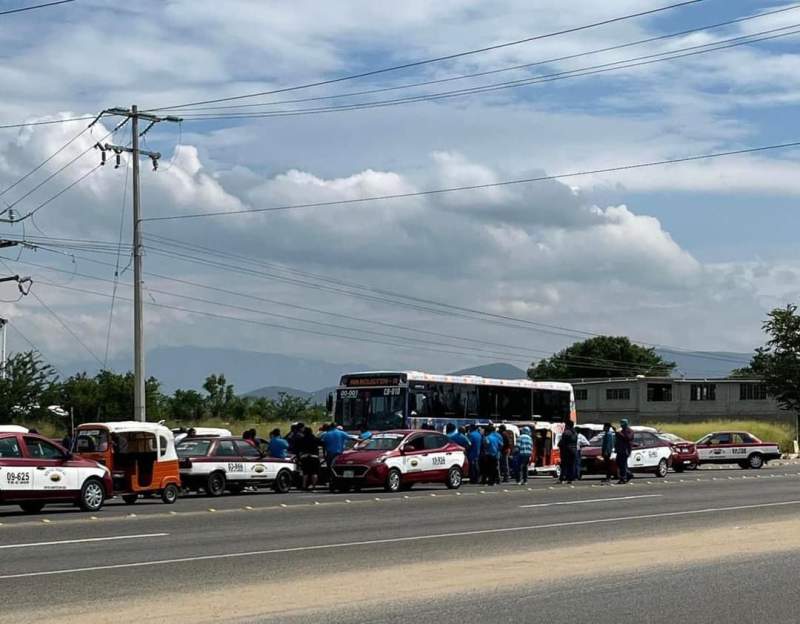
690,255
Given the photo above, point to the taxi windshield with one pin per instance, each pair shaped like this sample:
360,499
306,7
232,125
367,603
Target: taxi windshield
381,443
91,441
193,448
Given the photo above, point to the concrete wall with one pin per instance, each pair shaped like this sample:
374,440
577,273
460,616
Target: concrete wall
727,404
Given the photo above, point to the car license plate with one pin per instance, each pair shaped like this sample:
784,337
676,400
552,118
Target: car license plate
348,474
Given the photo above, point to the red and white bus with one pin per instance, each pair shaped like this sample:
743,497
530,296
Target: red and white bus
380,401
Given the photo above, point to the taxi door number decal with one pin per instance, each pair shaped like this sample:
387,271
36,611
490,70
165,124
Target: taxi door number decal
17,480
438,461
235,467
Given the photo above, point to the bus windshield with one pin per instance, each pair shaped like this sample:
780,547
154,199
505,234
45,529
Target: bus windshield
375,409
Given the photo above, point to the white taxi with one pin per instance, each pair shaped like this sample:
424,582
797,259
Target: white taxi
217,464
736,447
35,472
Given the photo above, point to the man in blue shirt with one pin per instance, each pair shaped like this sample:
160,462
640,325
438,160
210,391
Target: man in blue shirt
334,441
493,446
366,434
474,453
525,447
278,447
456,436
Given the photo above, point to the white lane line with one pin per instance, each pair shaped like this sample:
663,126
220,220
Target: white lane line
394,540
83,541
593,500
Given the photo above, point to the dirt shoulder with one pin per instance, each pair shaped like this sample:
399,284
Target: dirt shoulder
423,581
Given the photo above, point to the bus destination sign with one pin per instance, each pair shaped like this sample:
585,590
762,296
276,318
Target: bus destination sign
359,382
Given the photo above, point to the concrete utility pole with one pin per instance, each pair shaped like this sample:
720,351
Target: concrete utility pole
139,403
3,323
24,285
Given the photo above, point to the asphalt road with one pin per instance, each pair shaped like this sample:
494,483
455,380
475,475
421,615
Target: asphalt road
374,557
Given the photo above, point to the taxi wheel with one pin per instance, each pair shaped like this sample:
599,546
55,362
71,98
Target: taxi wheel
215,486
454,478
130,499
393,481
93,495
755,461
283,482
662,468
170,494
31,507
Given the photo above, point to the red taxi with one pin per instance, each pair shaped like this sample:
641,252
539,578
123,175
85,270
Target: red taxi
736,447
398,459
219,464
650,453
35,472
684,453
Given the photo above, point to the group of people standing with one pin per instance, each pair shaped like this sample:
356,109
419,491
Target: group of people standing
617,442
491,452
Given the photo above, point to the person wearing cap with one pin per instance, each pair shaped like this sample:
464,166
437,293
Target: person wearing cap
607,449
525,448
623,445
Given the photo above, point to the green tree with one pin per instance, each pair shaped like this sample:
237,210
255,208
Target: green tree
602,356
221,399
778,361
108,396
26,388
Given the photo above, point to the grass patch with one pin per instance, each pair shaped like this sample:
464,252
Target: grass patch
781,433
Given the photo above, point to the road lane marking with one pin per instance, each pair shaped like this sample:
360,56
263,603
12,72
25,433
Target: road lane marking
84,541
593,500
394,540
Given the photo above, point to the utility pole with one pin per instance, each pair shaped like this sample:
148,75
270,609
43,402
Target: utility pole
24,285
139,395
3,323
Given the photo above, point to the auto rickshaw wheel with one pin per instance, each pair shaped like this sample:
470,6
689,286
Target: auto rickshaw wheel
170,494
130,499
216,484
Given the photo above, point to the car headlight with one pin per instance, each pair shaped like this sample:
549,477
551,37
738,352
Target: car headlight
382,459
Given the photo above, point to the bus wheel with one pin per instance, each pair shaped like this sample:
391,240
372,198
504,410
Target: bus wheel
169,494
454,478
393,481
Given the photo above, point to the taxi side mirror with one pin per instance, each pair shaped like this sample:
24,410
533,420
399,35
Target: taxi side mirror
68,456
403,449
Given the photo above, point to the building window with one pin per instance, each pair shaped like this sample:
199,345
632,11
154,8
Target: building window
618,394
659,392
752,392
581,394
704,392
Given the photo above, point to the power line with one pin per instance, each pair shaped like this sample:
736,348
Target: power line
405,300
116,267
49,122
34,347
36,6
474,187
67,327
619,366
513,67
437,59
32,212
523,82
416,303
45,161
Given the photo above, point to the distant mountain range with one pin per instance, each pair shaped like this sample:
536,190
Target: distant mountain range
269,374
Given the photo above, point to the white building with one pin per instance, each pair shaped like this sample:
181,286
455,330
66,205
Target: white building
653,399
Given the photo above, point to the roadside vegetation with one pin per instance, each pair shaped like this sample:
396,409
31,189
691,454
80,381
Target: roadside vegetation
782,433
